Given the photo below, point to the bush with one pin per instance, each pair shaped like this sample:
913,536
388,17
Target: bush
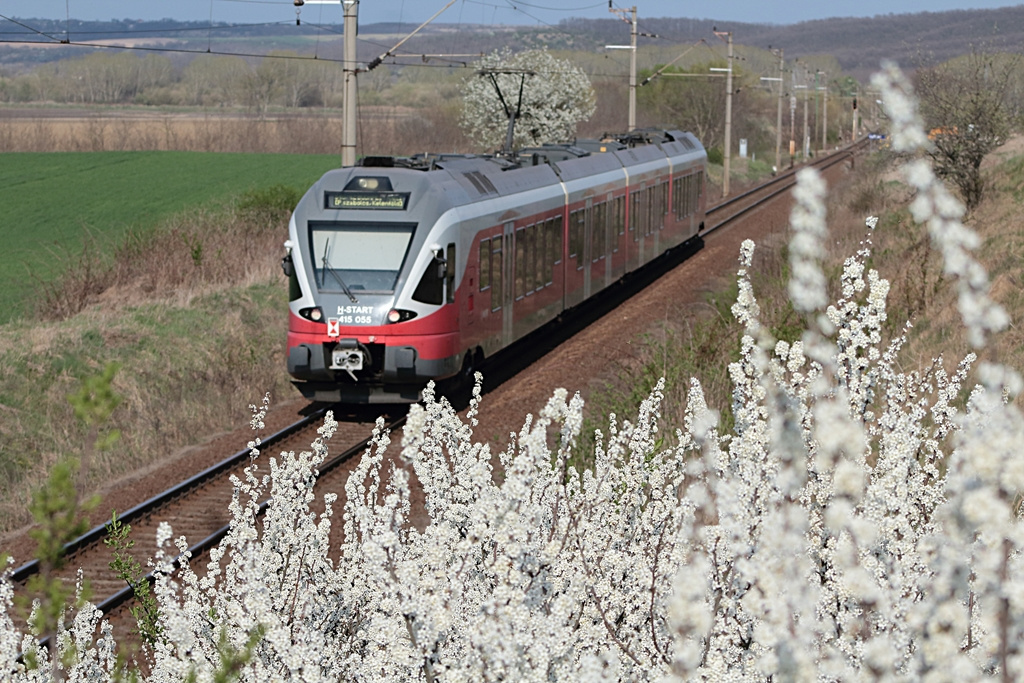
857,524
715,156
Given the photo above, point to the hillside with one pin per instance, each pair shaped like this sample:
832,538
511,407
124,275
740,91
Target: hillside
858,44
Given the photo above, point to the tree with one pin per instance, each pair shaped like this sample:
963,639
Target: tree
694,104
964,106
215,80
556,96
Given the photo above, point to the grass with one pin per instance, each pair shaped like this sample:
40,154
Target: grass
55,203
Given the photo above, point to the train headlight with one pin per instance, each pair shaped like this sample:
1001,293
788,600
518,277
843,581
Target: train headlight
398,315
314,314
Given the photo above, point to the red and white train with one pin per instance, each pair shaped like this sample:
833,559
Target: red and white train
404,270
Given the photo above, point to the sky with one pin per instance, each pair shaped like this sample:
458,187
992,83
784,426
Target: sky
530,12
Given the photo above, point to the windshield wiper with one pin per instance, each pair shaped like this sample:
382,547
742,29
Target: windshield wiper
326,268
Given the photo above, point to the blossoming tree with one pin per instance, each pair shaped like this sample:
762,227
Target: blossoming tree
556,96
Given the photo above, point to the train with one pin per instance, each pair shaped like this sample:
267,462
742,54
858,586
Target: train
403,270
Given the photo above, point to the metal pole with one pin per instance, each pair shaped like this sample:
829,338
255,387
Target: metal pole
351,101
728,111
778,120
807,139
853,137
632,70
824,116
817,119
792,116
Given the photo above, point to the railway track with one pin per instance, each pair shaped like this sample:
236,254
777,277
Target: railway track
734,208
197,508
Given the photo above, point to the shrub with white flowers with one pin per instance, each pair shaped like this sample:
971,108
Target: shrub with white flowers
858,524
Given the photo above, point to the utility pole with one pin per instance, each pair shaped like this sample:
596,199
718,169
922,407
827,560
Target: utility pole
351,101
824,116
853,136
350,105
817,119
792,116
727,37
632,58
778,119
807,138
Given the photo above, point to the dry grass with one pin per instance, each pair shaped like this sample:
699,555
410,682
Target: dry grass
192,314
390,130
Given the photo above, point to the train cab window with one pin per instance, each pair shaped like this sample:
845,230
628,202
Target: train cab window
485,264
358,258
437,285
497,277
430,289
449,281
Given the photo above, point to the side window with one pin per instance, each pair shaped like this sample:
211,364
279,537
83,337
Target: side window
600,231
520,280
662,204
677,197
576,223
634,214
450,273
685,199
497,276
619,220
554,226
485,264
537,239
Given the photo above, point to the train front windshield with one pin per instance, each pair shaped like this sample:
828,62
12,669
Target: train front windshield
358,257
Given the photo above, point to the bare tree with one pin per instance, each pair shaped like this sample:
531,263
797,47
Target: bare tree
965,107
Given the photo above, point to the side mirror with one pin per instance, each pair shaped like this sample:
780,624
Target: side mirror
287,266
441,263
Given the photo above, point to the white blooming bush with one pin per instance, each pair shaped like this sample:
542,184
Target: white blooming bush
860,523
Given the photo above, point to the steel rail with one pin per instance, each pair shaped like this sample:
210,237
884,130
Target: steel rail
211,541
785,181
98,533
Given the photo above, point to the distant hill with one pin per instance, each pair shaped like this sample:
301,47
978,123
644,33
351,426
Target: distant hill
858,44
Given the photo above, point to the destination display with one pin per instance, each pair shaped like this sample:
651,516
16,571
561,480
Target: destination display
373,201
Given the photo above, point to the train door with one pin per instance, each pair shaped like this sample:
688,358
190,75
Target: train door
508,291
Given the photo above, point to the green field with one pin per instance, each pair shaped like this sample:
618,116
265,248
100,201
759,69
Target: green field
49,202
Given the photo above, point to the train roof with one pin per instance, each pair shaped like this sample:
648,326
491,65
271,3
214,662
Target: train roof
488,175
